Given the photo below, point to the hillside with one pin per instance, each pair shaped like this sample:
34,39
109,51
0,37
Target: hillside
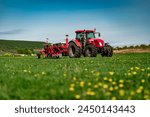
13,45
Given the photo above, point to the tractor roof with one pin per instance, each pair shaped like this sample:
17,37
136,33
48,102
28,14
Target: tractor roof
79,31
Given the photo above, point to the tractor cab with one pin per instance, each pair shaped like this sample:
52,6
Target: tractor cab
86,34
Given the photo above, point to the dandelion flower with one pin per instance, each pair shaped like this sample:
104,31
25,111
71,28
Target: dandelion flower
131,68
95,86
97,73
77,96
105,78
89,84
100,84
142,80
134,73
139,91
25,70
137,68
121,81
142,69
72,85
110,80
71,89
111,89
74,78
81,84
132,93
121,92
114,83
113,98
43,73
105,86
111,73
121,85
65,74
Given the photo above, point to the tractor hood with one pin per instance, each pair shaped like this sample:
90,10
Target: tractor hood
97,42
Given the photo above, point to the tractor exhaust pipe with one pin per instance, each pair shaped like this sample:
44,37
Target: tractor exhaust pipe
67,40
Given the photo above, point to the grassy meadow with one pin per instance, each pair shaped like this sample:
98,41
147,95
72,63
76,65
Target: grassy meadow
124,76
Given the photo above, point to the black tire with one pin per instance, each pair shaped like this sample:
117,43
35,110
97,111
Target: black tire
73,50
38,56
107,51
90,51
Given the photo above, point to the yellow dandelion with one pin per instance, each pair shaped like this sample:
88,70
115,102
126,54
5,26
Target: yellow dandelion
72,85
100,84
141,87
111,89
137,68
132,93
43,73
116,87
111,73
35,75
114,83
139,91
134,73
121,81
105,78
71,89
74,78
110,80
129,74
81,84
77,96
142,80
121,85
92,93
113,98
25,70
105,86
89,83
65,74
95,86
142,69
108,93
131,68
146,97
97,73
121,92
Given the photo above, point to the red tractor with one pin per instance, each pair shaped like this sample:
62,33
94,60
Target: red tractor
86,43
89,45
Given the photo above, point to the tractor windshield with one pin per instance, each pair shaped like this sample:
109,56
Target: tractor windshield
90,35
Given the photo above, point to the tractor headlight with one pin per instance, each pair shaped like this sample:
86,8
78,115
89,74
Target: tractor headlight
100,43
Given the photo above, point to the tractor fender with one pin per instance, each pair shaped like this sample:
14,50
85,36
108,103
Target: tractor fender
76,42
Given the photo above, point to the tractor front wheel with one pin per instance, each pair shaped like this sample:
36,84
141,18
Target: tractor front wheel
74,51
90,51
107,51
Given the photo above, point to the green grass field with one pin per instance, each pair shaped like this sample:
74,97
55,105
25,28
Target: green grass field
124,76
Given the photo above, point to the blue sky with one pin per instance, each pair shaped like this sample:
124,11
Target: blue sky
121,22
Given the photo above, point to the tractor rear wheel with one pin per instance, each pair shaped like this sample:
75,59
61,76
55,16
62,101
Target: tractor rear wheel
90,51
74,51
107,51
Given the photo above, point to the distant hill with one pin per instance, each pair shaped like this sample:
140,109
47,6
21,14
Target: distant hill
14,45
